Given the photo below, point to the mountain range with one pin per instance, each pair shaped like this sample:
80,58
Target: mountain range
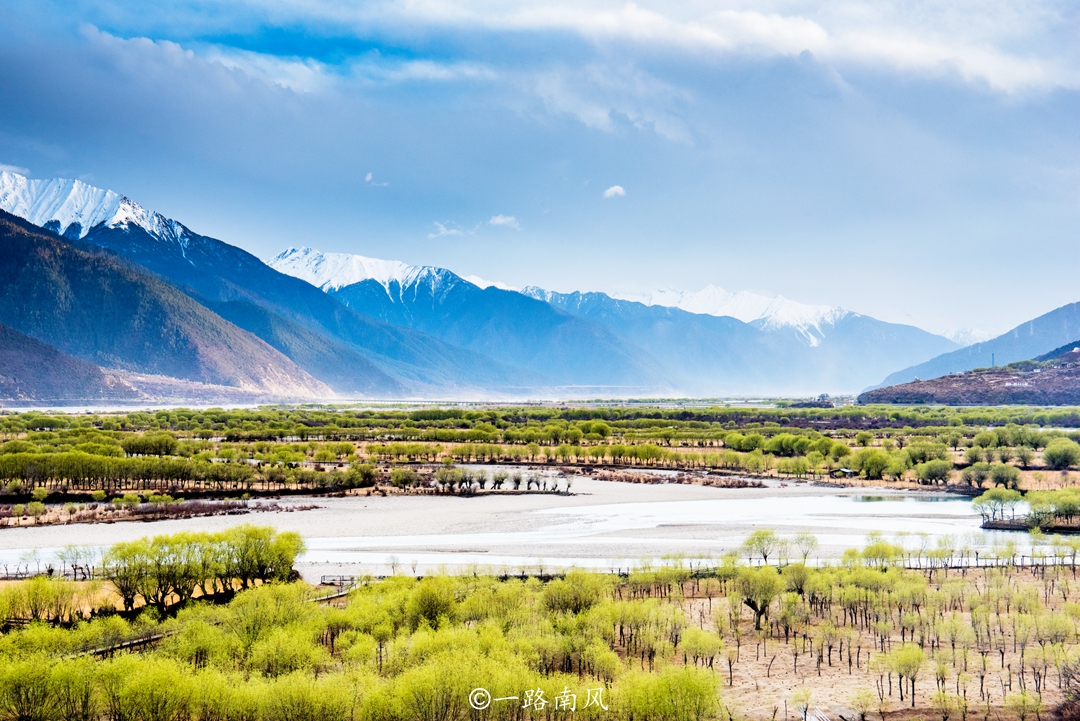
786,348
102,280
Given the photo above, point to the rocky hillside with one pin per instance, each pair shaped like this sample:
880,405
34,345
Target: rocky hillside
1048,380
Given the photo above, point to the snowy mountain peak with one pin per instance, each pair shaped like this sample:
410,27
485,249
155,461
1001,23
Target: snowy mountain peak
72,208
58,204
330,271
333,271
770,313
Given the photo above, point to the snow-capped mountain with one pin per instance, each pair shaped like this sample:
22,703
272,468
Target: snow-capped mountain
331,271
767,312
72,208
477,315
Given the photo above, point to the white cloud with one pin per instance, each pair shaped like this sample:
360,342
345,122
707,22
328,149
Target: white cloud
613,191
441,230
507,220
595,92
370,179
301,75
1004,45
379,69
4,168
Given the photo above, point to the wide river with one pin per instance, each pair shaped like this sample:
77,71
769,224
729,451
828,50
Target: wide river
604,525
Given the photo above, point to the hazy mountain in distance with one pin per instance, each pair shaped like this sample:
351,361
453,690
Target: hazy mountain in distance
834,354
787,348
774,313
505,325
1027,340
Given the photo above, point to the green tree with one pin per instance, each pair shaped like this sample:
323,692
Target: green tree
935,471
907,661
1061,453
762,542
757,587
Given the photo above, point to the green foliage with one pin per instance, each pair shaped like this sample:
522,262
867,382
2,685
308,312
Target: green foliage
165,571
757,587
935,471
1061,453
432,602
872,462
403,477
995,503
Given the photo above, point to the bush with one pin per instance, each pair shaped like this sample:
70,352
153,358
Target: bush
1061,453
1003,475
935,471
432,601
871,461
403,477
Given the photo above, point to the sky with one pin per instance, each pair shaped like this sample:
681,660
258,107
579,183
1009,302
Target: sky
914,161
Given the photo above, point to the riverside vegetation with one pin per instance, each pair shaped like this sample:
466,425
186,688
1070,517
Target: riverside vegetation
203,627
68,457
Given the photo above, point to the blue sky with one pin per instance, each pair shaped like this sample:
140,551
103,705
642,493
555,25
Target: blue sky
911,160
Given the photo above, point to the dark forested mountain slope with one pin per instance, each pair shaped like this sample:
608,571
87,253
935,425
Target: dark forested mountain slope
34,371
105,311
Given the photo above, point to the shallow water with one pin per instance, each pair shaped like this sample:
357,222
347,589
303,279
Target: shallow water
602,525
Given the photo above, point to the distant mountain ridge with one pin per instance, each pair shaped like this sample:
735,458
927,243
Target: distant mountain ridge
627,342
771,313
507,326
359,326
1027,340
707,353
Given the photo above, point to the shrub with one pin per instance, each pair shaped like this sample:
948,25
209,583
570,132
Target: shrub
1003,475
1061,453
935,471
